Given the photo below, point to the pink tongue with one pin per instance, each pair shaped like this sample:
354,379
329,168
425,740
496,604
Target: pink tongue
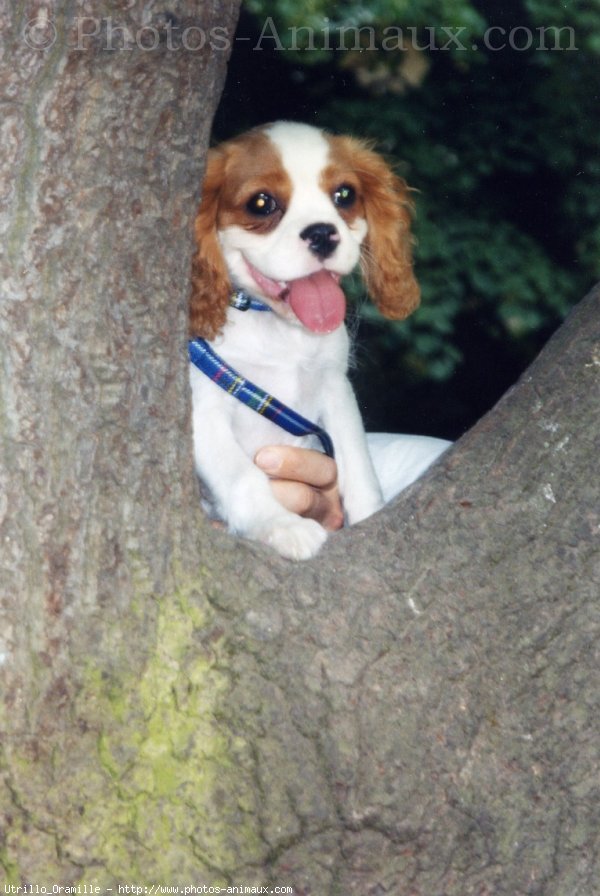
318,302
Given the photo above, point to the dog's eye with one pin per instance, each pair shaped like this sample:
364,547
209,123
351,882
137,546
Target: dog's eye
344,196
262,204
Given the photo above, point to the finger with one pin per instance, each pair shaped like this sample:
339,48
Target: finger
322,505
298,464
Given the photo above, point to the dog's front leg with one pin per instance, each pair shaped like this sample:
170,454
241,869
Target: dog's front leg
242,493
359,486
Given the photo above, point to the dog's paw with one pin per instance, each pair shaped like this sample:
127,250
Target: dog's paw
296,538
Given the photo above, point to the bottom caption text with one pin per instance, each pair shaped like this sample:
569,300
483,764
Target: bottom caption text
142,890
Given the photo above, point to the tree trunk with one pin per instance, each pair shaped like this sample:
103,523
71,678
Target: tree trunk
413,712
105,117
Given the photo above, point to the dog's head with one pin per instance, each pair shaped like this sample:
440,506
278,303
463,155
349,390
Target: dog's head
286,211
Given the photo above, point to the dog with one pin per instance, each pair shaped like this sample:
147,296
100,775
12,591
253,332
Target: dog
286,211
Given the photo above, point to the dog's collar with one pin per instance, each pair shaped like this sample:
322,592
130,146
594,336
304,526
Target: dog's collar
206,360
243,301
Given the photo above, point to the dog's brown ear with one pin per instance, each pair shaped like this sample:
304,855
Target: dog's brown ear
210,281
387,253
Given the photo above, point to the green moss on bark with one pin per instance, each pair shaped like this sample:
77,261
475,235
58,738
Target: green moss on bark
156,791
177,804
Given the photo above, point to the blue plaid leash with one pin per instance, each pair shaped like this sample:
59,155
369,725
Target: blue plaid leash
244,302
210,363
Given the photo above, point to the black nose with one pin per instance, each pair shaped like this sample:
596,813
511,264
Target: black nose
322,239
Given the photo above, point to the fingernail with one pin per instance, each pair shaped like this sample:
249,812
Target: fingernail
268,459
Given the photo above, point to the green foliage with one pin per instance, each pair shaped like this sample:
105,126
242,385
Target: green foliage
480,161
292,22
496,130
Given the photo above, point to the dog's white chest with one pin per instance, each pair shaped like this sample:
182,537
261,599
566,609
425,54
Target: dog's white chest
286,362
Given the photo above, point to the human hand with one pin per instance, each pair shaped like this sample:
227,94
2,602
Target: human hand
305,482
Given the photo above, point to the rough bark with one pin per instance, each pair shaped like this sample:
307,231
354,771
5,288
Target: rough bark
105,114
413,712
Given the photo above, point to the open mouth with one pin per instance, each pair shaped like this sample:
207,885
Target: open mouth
317,300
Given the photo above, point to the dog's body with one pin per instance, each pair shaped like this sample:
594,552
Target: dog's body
306,372
286,211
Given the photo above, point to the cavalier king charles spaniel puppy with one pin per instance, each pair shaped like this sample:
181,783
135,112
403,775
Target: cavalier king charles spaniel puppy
287,211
